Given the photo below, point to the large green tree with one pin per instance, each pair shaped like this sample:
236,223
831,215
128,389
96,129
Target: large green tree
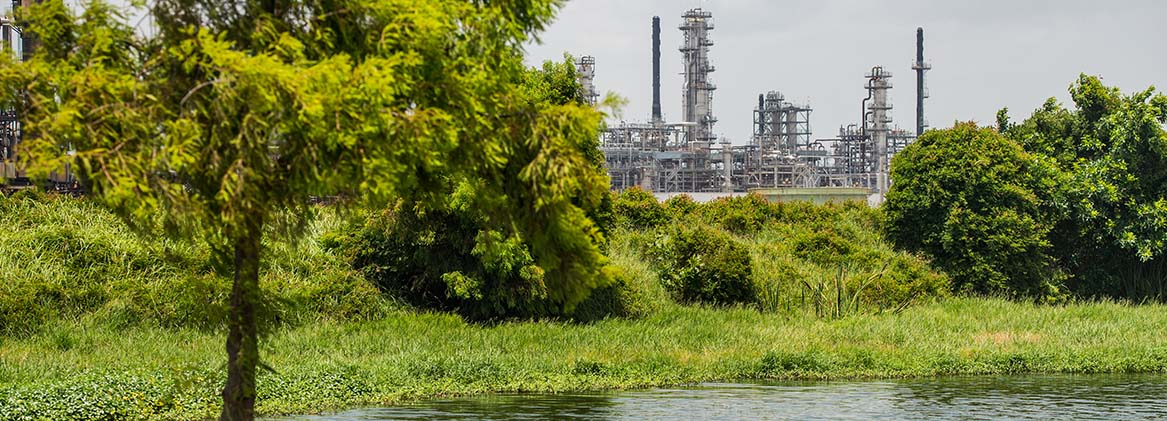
977,204
234,113
1113,149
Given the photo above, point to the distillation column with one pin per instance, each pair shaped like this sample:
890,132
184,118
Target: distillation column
697,98
585,67
878,84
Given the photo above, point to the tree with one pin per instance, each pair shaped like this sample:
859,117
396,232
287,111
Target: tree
235,113
1113,148
976,203
455,255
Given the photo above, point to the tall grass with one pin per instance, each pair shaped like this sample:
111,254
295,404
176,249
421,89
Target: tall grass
68,259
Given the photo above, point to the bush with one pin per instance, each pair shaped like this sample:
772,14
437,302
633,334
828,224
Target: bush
636,208
1112,148
704,265
446,260
682,205
975,203
823,247
740,215
901,278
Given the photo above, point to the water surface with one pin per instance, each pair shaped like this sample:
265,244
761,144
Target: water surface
1007,397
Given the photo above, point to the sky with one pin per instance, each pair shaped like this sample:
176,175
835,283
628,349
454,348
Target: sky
985,54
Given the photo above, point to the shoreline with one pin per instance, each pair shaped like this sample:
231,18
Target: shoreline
404,357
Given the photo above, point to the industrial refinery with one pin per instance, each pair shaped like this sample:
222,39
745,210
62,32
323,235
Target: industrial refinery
782,153
686,156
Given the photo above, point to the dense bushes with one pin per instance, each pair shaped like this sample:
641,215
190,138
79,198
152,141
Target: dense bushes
1112,152
786,252
976,203
444,259
705,265
1069,200
636,208
68,259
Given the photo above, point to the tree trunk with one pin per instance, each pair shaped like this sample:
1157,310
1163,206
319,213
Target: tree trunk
242,335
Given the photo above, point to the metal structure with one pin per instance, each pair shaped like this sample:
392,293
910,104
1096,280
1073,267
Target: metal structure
22,44
585,67
697,96
656,112
14,41
921,67
781,152
686,157
877,123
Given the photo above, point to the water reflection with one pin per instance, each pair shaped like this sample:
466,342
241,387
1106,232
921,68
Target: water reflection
1012,397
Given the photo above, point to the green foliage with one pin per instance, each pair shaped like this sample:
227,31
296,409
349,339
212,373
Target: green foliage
1113,151
70,259
835,251
740,215
461,255
631,296
705,265
636,208
791,246
977,204
444,259
681,205
216,123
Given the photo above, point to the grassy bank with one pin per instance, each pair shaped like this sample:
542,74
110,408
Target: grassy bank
76,370
96,323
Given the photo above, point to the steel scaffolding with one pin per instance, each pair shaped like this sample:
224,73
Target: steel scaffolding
585,67
697,95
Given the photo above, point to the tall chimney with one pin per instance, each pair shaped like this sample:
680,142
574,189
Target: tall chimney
656,115
921,92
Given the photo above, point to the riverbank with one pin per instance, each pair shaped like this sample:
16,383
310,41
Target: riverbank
80,370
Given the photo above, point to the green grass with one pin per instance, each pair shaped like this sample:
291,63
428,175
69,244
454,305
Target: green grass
69,259
75,369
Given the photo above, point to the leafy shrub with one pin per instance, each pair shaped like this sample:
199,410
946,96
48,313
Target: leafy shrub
705,265
636,208
445,260
974,202
1112,150
628,297
824,247
899,279
740,215
682,205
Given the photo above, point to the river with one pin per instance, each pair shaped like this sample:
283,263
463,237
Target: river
1052,397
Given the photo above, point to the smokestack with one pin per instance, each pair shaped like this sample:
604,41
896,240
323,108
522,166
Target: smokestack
656,115
761,114
920,67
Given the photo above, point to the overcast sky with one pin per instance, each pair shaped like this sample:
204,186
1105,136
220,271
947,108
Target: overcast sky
985,54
